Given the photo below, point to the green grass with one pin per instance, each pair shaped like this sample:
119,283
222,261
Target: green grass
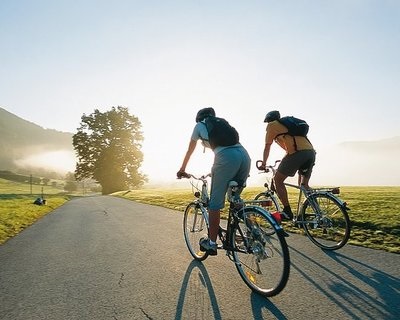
374,211
10,187
17,210
375,216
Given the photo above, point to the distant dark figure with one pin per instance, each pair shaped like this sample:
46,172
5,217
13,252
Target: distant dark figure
39,201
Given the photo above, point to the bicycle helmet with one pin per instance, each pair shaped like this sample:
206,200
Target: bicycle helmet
204,113
272,116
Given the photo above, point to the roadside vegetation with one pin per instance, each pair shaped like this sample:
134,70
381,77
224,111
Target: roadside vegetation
375,211
17,208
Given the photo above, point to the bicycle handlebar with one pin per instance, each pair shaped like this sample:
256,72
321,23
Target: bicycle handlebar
189,175
266,168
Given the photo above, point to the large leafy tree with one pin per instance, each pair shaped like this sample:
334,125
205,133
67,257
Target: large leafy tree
108,146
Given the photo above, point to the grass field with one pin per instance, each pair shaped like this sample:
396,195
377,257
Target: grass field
375,211
17,210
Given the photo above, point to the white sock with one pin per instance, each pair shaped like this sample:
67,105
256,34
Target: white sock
212,242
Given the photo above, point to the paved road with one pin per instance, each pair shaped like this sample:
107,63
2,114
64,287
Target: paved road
109,258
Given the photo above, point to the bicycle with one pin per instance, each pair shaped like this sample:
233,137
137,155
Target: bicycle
323,215
252,239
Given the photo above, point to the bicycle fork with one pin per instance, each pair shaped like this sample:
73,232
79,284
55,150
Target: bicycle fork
198,215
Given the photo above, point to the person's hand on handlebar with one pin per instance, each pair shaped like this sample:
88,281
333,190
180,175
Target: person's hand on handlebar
260,165
182,174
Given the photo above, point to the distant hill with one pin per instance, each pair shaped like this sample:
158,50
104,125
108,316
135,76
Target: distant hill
21,139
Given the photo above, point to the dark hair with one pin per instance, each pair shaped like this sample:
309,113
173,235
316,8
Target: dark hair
272,116
204,113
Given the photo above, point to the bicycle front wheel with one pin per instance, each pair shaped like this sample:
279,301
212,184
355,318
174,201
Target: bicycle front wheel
326,221
261,256
195,227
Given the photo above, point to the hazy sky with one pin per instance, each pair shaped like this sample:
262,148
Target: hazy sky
334,63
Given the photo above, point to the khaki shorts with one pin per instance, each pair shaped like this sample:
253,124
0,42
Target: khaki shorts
301,161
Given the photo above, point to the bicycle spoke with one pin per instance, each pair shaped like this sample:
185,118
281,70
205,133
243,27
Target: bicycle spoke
326,221
264,266
194,227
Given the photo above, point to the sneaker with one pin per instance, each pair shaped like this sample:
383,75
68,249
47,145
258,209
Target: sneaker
286,216
206,246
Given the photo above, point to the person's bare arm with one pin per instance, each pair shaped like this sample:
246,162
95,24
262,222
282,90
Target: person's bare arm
189,152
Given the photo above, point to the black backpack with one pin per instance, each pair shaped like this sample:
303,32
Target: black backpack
295,127
220,132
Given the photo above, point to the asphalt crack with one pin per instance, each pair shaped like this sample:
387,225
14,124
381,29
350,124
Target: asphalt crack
144,312
121,279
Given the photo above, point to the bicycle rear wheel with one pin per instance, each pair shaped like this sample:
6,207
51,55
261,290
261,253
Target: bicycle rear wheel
268,200
330,230
195,227
261,256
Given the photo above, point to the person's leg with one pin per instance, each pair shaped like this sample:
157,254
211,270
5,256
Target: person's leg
287,168
215,217
280,187
304,181
224,168
306,168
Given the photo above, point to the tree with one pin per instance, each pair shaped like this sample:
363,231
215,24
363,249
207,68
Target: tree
70,184
108,146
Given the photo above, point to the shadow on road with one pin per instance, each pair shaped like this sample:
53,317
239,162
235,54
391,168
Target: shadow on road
197,295
359,290
197,299
259,303
386,286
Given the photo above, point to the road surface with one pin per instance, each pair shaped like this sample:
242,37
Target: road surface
108,258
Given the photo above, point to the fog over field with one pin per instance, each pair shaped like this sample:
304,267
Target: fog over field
372,163
359,163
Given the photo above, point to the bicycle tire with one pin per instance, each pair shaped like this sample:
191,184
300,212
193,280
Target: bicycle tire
261,258
333,230
272,206
195,227
266,195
